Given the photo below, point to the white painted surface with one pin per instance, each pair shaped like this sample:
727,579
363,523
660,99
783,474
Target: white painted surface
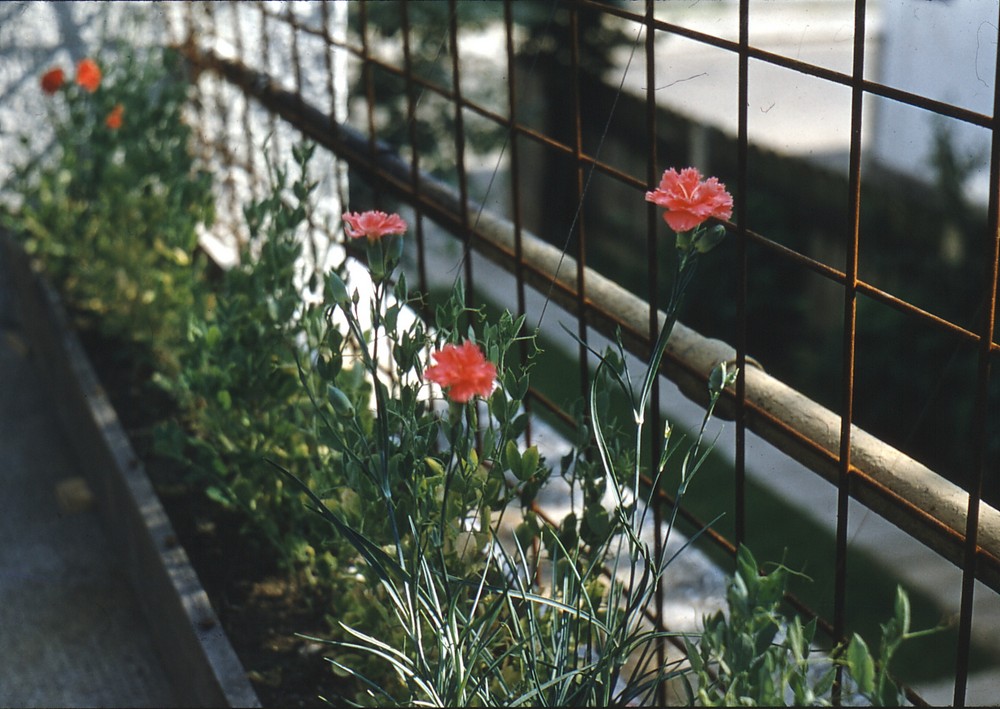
944,50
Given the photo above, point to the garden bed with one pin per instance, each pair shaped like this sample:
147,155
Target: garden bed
219,612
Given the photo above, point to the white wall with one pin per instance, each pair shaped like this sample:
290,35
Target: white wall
943,49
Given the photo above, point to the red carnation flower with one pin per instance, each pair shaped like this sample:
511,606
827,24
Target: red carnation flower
88,74
52,80
464,370
114,119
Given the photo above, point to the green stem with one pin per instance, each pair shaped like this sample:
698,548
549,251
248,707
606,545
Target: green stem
382,423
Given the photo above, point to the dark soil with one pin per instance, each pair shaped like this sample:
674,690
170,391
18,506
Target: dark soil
263,611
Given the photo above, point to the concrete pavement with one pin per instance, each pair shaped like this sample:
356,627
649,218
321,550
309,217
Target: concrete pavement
71,631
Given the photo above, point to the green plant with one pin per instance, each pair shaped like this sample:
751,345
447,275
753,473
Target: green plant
555,616
238,383
871,676
597,648
755,657
113,211
480,627
417,486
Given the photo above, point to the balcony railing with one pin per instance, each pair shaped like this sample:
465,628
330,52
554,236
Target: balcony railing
273,73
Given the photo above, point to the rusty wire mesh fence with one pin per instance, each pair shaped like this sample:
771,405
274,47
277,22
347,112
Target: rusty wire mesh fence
858,301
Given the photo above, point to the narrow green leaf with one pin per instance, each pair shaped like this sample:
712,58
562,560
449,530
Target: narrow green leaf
336,289
902,611
860,664
529,461
513,458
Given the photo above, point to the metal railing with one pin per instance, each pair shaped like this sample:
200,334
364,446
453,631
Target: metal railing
268,69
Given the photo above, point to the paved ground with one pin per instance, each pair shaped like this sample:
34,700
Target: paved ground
71,633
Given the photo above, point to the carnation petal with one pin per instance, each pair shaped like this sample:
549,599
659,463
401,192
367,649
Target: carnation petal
52,80
689,200
88,75
463,370
372,224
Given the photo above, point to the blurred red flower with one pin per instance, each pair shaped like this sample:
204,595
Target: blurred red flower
373,225
464,370
688,200
52,80
114,119
88,74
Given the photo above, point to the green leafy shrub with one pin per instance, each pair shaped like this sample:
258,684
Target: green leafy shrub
113,211
755,657
238,384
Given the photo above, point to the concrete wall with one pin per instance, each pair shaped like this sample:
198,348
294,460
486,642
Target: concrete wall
945,50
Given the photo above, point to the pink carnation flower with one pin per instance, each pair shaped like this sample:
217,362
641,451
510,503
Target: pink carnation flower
689,201
464,370
372,224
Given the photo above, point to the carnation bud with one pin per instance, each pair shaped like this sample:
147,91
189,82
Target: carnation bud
394,248
708,240
341,404
336,290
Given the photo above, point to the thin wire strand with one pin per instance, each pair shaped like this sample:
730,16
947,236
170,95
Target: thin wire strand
508,135
590,175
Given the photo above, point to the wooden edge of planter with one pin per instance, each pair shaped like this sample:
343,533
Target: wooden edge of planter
195,651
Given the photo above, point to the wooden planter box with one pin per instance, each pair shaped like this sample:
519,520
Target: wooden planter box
196,654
